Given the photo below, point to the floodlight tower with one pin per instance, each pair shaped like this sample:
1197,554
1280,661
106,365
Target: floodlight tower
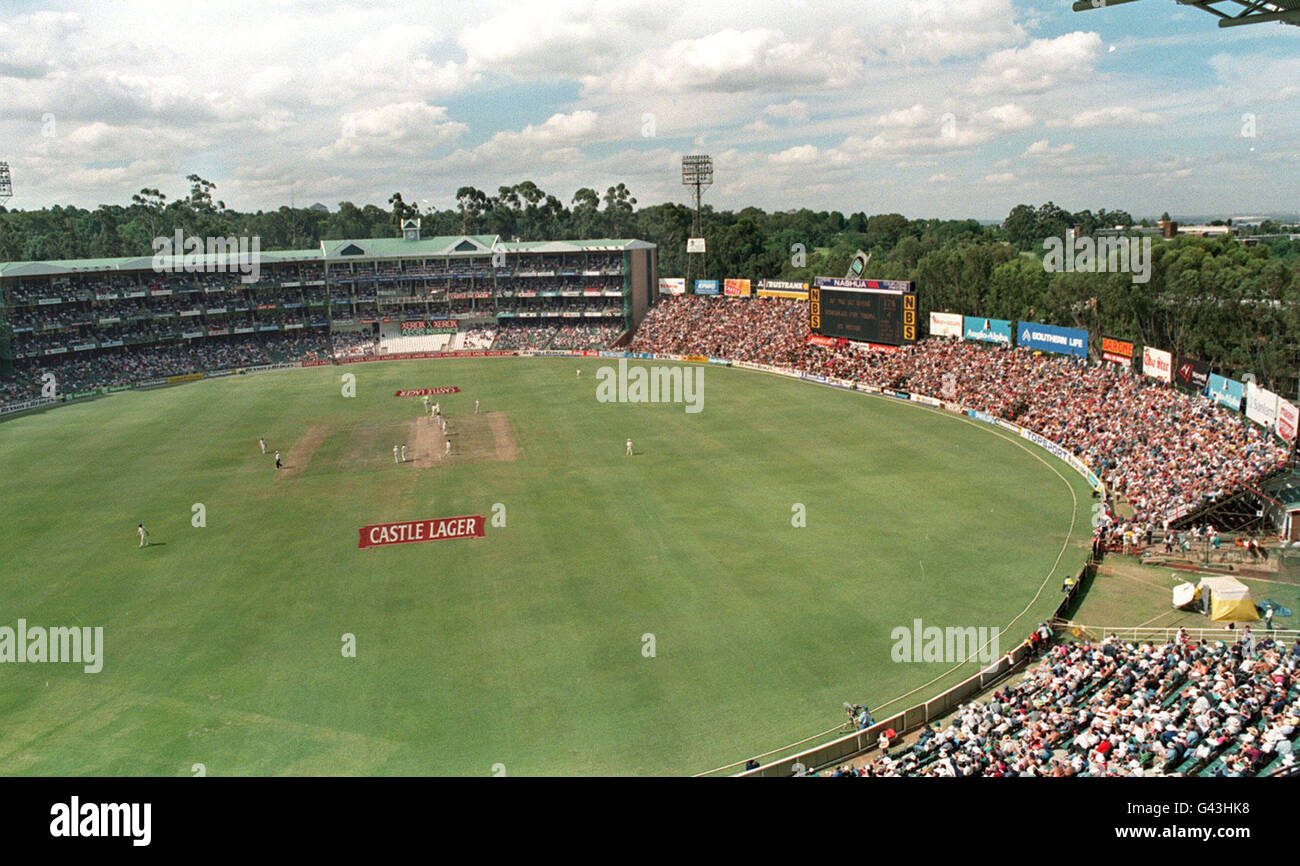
6,185
697,173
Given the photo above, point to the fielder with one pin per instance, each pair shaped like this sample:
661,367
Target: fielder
403,453
629,448
579,372
395,460
144,535
475,407
277,459
426,404
448,451
262,442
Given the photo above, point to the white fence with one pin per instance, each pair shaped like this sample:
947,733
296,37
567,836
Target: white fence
1160,635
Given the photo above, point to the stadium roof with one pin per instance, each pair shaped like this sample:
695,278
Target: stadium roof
399,247
360,248
141,263
597,245
1231,13
467,245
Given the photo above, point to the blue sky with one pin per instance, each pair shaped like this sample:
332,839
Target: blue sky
948,108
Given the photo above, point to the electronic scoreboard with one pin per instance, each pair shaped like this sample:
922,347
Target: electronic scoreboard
867,311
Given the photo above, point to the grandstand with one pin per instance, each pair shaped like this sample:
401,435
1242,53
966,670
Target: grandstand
111,323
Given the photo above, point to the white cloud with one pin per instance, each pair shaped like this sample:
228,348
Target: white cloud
794,110
399,128
914,117
1038,66
1240,76
917,131
1043,147
799,102
731,60
803,154
934,30
560,37
557,140
1116,115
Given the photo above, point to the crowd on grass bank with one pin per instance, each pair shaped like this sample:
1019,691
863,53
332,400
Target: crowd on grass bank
1162,450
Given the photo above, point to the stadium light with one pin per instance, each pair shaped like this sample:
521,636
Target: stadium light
6,185
697,173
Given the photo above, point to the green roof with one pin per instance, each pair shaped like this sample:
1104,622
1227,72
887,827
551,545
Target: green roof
55,267
592,245
379,248
334,250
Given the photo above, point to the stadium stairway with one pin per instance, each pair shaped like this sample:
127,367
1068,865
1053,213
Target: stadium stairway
1246,510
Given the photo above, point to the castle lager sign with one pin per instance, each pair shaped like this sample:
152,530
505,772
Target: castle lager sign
413,531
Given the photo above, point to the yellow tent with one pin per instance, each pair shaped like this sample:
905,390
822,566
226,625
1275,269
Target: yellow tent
1227,600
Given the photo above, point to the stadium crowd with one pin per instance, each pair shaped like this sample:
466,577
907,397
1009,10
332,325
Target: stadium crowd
107,368
1164,451
555,336
1122,709
126,366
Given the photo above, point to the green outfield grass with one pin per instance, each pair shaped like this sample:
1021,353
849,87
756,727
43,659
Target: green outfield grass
524,648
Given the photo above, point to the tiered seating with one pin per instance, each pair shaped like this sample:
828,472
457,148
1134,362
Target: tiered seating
1113,709
424,343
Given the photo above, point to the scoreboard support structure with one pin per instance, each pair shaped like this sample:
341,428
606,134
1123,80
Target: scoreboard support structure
882,312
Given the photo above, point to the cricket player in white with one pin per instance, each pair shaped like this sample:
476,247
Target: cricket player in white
262,442
144,535
580,373
277,459
475,407
403,453
629,448
426,403
448,446
395,460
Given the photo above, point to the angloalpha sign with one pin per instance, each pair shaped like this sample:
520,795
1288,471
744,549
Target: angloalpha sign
987,330
1225,391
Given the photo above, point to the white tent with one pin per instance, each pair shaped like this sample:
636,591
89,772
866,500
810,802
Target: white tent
1184,594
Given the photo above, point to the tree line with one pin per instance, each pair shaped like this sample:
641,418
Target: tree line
1236,307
